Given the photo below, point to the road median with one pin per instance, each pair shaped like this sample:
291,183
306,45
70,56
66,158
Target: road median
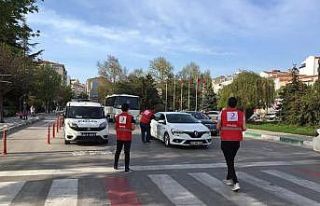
299,140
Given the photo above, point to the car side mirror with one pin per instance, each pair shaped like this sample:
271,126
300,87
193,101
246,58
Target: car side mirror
161,121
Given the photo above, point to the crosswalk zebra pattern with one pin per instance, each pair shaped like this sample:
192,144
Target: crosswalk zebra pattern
96,191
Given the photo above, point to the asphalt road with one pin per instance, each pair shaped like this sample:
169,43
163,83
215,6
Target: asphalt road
36,173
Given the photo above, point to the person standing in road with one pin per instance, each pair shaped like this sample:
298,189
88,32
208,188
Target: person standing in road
145,120
231,123
124,126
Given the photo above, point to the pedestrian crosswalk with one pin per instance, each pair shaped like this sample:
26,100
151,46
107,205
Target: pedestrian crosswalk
105,191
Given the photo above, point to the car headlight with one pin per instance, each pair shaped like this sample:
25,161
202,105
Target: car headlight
103,125
173,131
72,125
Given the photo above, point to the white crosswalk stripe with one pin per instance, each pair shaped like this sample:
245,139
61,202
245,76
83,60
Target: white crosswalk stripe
302,182
72,192
219,187
175,192
63,192
280,192
8,191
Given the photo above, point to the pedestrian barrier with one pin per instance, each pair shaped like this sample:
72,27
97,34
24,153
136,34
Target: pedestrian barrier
48,137
57,125
4,139
53,130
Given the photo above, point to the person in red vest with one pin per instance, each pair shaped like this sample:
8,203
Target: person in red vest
124,125
231,123
145,120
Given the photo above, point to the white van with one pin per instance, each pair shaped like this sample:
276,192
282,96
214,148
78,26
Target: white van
85,121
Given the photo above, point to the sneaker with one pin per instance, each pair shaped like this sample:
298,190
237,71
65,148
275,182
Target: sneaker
236,187
228,182
128,170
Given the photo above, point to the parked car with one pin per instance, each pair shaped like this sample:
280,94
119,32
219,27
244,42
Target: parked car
213,115
85,121
206,121
178,128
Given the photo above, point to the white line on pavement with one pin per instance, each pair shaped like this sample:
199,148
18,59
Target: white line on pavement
106,169
216,185
175,192
280,192
302,182
8,190
63,192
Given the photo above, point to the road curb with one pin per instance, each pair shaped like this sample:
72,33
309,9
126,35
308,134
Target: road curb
15,128
280,138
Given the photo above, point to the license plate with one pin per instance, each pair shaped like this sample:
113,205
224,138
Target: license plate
88,134
195,143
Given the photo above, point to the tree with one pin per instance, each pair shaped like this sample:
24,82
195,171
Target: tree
143,86
209,97
14,36
111,70
104,89
251,90
48,83
300,103
162,71
13,30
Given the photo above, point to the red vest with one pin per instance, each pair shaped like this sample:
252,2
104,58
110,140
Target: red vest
146,116
123,126
231,125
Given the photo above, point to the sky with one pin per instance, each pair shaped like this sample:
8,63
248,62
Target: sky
219,35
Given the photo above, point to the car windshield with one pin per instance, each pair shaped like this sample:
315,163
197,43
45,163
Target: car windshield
181,118
85,112
199,115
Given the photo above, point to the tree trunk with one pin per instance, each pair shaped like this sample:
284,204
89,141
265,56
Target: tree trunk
1,108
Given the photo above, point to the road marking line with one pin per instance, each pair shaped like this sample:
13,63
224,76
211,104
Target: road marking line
63,192
280,192
219,187
175,192
302,182
108,170
8,190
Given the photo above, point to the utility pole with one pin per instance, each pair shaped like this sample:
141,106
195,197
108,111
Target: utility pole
166,108
181,93
189,95
174,95
319,69
197,94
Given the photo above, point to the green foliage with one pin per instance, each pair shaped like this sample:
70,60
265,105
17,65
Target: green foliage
251,90
301,103
47,84
292,129
143,86
13,30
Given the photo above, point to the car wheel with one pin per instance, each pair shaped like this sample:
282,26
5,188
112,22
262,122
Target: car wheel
66,142
166,140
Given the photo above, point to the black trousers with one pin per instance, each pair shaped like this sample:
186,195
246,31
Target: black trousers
145,132
230,149
127,145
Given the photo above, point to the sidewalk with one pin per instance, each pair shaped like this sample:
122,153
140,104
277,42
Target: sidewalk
295,139
15,123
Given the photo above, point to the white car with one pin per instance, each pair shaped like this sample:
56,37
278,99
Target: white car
85,121
177,128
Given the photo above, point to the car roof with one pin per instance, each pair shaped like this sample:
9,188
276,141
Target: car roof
84,104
